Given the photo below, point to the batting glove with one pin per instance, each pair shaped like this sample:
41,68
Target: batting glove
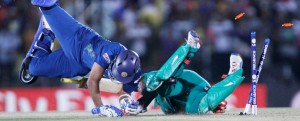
107,111
129,106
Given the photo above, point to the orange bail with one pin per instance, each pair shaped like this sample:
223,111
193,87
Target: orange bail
239,16
287,24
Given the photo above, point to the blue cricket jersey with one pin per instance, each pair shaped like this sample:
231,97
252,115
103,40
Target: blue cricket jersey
100,51
103,52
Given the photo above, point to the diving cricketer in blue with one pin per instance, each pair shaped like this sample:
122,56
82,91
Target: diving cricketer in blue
83,52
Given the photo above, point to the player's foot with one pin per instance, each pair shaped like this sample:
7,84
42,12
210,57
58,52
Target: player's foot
193,39
41,46
43,3
236,62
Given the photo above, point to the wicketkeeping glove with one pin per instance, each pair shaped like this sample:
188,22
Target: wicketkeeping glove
221,107
108,111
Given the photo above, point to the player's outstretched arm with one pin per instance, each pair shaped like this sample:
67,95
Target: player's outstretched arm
93,84
93,87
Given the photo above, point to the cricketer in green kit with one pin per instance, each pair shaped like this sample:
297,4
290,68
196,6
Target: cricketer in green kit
178,90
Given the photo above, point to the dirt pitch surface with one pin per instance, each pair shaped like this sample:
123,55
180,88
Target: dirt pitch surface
266,114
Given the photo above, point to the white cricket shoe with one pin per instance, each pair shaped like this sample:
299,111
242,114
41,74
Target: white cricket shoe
236,62
193,39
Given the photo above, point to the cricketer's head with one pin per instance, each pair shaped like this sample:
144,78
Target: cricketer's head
125,67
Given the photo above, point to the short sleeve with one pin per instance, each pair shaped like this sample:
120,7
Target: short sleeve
105,58
108,52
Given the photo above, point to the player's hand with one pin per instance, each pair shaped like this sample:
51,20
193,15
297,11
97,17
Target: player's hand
130,106
221,107
107,111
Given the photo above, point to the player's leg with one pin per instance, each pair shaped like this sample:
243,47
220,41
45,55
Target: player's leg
41,46
64,27
174,66
56,64
181,57
197,92
71,35
218,92
193,78
194,98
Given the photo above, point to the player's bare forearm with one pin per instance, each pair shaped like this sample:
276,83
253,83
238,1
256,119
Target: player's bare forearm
94,92
93,84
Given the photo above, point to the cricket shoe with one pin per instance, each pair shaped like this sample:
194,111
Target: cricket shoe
41,46
236,63
193,39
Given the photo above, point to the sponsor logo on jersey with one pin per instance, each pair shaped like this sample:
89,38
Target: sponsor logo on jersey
106,57
89,50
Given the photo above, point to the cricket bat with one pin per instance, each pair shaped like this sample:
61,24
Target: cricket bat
105,85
